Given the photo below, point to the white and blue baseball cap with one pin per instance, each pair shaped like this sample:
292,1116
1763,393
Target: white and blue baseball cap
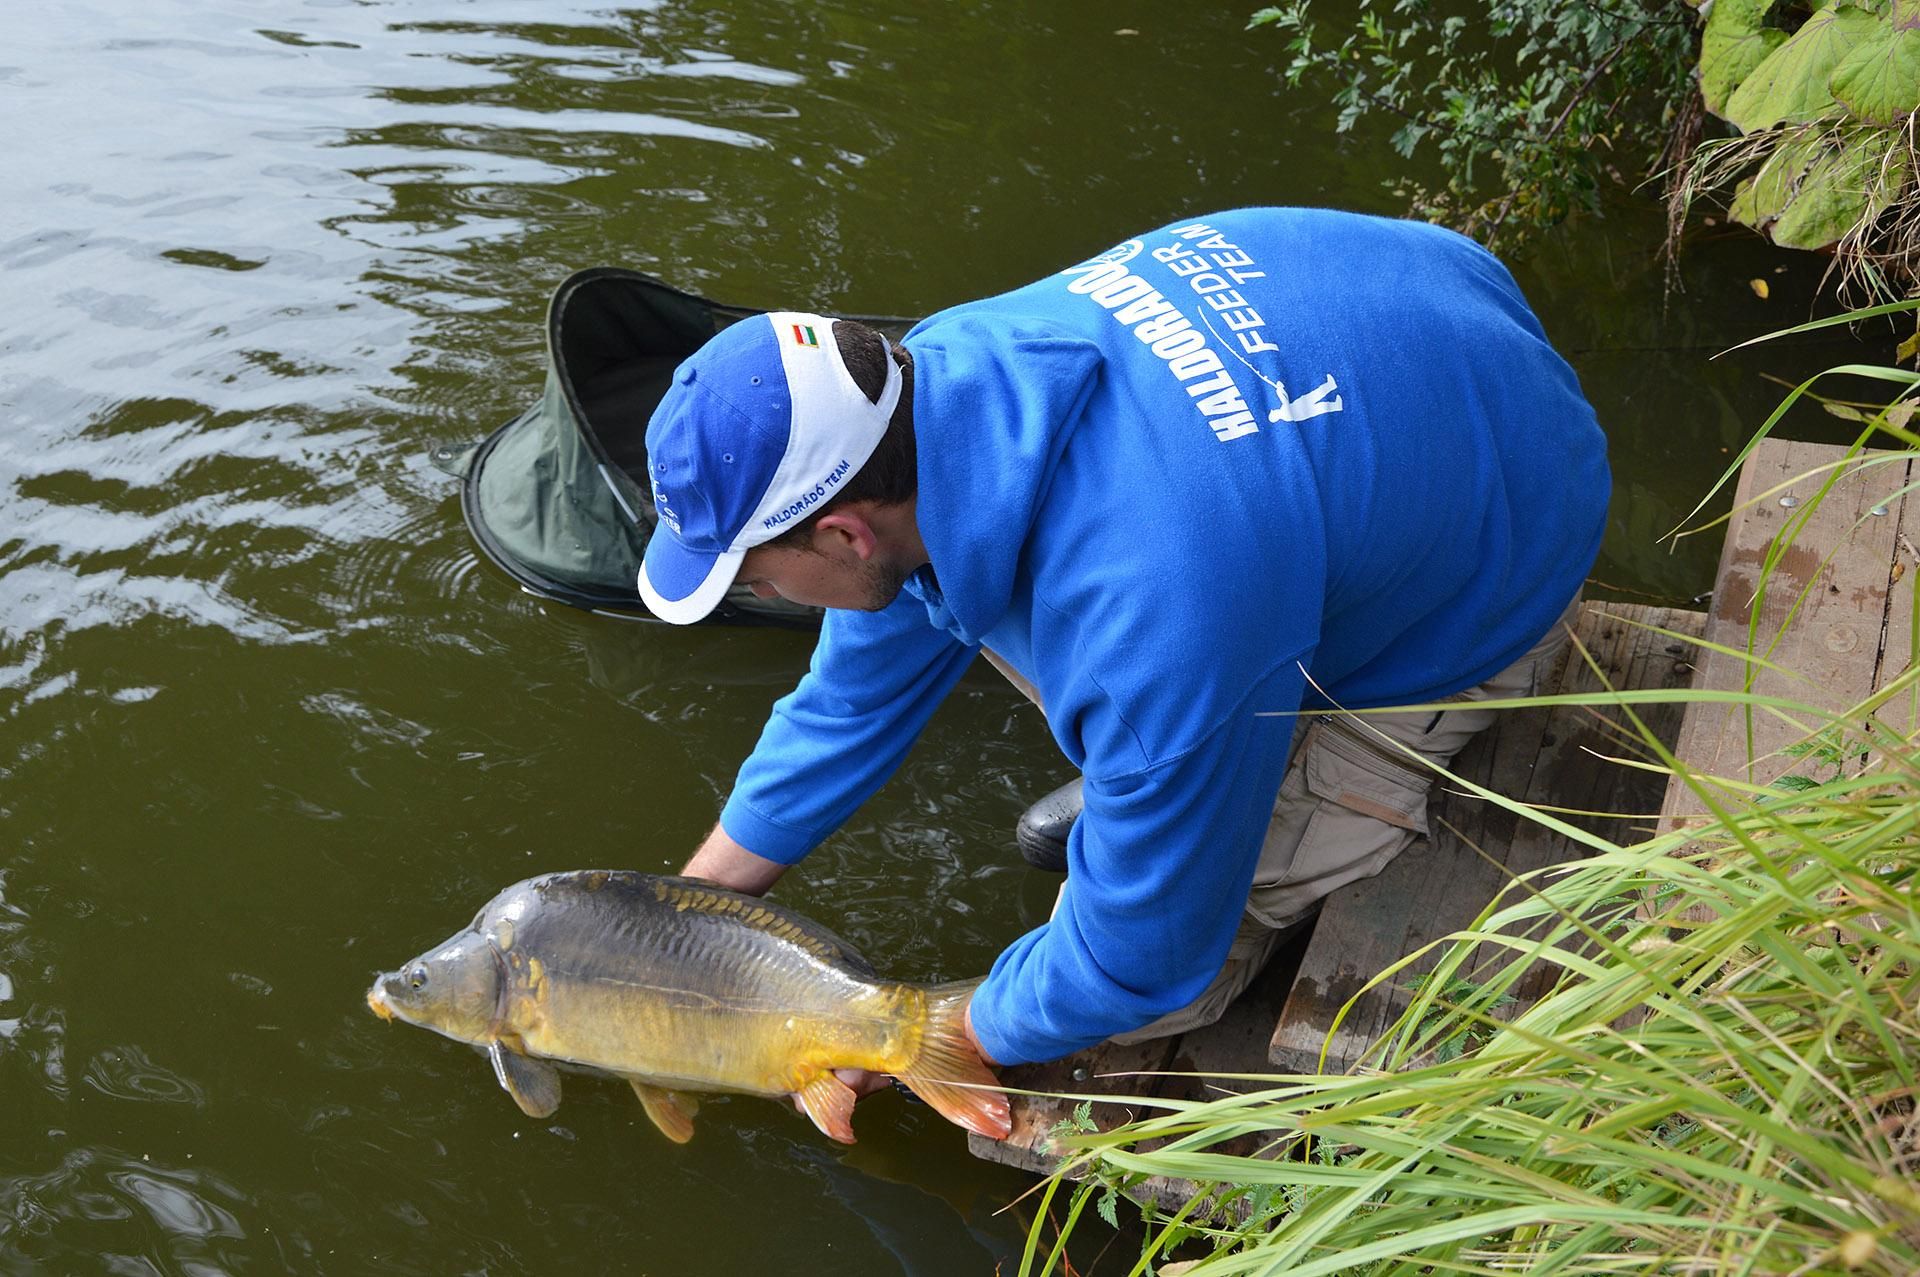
761,426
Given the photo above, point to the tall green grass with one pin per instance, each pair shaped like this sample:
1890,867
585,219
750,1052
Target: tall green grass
1724,1076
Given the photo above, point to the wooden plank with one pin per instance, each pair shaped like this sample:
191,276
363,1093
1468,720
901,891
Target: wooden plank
1819,613
1030,1146
1898,649
1543,756
1235,1044
1366,926
1369,925
1577,772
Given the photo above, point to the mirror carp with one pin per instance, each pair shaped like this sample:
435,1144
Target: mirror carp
680,986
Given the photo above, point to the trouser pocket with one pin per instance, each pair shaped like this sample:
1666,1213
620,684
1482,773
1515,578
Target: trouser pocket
1348,805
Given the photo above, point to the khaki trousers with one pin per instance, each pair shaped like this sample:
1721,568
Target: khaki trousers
1349,803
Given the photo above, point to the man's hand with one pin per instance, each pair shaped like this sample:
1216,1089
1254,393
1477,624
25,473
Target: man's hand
859,1081
726,863
864,1083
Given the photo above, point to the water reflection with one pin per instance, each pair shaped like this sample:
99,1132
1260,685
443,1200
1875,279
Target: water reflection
125,1073
201,274
33,1033
179,1201
38,1038
906,1221
182,1215
267,721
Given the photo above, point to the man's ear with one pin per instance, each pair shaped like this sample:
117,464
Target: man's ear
845,533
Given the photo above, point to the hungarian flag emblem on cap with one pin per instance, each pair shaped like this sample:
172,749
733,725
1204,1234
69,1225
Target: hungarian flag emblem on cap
803,335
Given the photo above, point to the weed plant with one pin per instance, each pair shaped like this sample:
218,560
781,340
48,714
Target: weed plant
1722,1077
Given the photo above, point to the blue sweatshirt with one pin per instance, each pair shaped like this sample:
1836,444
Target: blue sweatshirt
1167,485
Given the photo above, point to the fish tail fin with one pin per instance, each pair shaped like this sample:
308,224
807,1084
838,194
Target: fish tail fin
949,1074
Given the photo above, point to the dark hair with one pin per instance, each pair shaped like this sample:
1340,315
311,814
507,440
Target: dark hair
891,475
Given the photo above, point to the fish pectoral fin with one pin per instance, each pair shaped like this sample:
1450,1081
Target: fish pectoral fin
533,1084
671,1111
829,1102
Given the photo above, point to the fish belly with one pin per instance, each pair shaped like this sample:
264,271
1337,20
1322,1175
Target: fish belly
694,1040
642,984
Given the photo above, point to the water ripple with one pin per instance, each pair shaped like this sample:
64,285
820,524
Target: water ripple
126,1073
100,1201
170,1198
40,1037
427,556
374,727
571,121
35,1032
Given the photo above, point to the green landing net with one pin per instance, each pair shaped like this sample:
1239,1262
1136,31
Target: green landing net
558,497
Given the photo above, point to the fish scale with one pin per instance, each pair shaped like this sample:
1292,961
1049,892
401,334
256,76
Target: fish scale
678,985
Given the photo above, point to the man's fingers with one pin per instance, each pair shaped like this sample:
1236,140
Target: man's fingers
861,1082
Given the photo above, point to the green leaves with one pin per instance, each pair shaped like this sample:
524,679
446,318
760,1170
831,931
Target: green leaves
1533,105
1857,61
1735,42
1879,81
1791,84
1528,104
1817,185
1823,110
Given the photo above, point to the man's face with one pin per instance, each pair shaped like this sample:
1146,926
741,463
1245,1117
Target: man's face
820,579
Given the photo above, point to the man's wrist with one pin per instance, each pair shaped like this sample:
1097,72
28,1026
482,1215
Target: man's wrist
723,861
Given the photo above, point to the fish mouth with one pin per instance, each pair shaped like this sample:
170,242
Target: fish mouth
378,1004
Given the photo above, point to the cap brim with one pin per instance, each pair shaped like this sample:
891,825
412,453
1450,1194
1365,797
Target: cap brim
682,585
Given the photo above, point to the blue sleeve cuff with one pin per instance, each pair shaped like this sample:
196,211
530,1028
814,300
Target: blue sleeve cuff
1013,1032
998,1046
1159,866
766,837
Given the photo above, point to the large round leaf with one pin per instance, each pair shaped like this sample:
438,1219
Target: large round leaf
1734,43
1761,199
1813,189
1880,80
1791,85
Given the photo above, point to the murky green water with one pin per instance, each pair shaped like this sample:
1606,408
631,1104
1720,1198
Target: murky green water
266,724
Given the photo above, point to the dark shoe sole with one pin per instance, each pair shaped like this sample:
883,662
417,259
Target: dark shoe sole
1042,831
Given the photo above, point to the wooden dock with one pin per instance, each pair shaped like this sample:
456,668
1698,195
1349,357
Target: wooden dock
1823,589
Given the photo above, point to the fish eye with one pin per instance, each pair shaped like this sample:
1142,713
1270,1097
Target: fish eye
417,978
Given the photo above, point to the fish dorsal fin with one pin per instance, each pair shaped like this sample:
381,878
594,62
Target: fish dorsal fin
533,1084
671,1111
697,895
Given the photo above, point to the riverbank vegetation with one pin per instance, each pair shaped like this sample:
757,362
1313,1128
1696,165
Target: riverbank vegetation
1529,107
1797,115
1722,1077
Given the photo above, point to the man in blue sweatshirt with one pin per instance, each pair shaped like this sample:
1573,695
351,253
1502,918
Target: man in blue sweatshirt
1189,492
